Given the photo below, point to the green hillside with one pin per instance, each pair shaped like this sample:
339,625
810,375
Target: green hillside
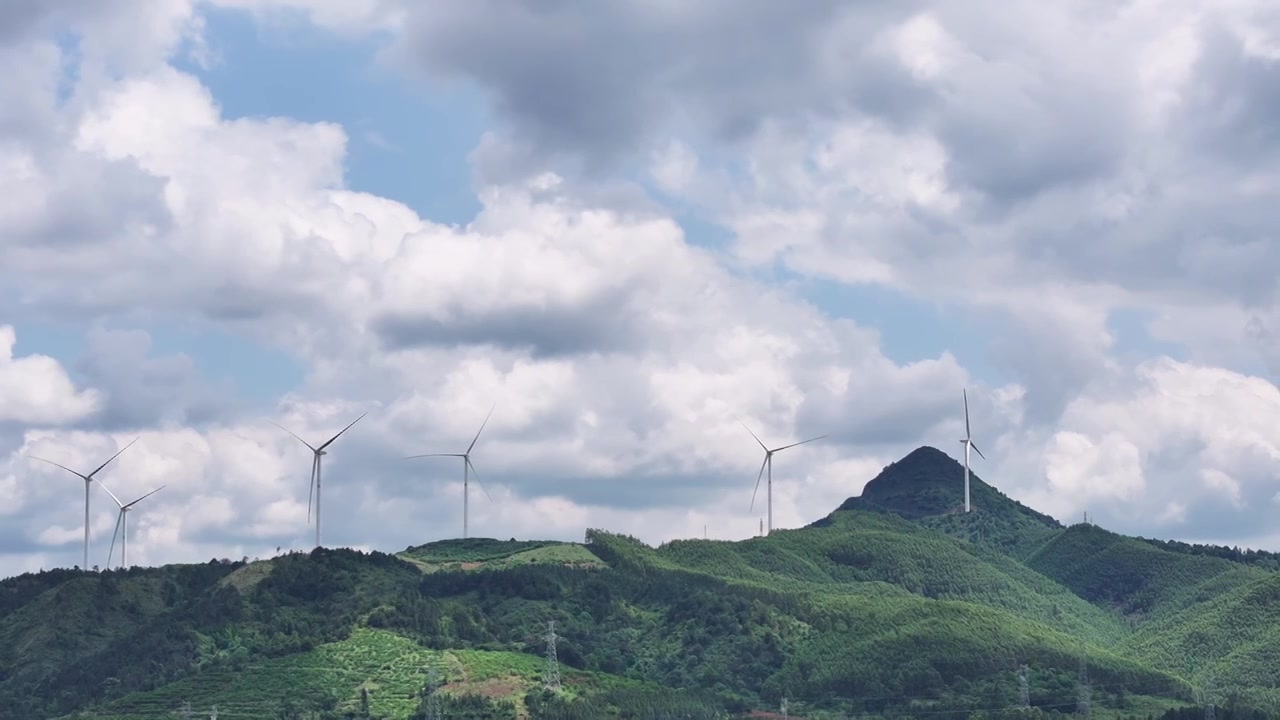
1136,578
927,486
895,605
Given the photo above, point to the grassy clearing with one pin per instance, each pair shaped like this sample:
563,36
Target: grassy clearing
483,553
248,576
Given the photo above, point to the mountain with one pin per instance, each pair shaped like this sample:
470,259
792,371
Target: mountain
927,487
893,605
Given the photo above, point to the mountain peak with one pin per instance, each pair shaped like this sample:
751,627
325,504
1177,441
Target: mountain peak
927,482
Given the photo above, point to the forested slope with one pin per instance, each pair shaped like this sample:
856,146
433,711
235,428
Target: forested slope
895,604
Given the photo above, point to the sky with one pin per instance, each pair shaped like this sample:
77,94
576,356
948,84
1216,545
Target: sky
630,228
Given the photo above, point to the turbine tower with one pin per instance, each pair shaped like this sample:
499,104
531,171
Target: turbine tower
968,444
768,463
122,526
87,479
468,469
314,485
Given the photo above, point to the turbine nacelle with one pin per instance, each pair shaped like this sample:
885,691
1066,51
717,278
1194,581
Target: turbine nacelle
87,480
768,463
122,525
313,484
468,469
967,441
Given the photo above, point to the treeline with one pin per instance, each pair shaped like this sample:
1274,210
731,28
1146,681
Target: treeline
1257,558
806,615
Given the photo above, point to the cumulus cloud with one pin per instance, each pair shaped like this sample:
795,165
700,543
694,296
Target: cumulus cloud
1196,448
1038,168
943,151
36,390
629,400
143,391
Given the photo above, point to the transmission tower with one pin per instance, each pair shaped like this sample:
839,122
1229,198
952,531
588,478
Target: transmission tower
1210,712
1024,689
184,712
1082,689
784,709
433,691
551,674
213,714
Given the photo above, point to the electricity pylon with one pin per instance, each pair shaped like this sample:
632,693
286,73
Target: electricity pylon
551,674
1024,689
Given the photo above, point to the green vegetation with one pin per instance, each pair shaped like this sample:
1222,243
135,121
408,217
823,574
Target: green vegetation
486,554
895,605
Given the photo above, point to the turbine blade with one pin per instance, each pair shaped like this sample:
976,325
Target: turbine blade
335,437
784,447
415,457
113,495
759,475
967,433
144,497
311,484
744,425
476,476
86,478
975,449
113,457
119,517
486,422
295,435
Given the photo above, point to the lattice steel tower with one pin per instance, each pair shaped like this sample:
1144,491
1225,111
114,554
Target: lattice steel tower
433,691
1210,712
551,674
1082,689
1024,689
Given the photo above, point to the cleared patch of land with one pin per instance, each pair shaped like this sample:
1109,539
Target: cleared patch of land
487,554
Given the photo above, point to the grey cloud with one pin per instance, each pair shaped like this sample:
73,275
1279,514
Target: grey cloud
600,84
1210,514
97,194
1017,116
1053,361
1265,339
601,80
900,410
18,18
1233,101
142,391
605,324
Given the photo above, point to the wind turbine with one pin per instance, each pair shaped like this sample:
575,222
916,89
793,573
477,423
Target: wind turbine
122,526
313,486
87,479
968,443
467,469
768,463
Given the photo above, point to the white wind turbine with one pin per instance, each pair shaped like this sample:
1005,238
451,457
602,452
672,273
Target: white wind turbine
768,463
87,479
968,443
122,526
313,486
467,469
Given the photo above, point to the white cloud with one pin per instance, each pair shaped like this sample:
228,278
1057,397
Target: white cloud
35,390
1000,164
1194,448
